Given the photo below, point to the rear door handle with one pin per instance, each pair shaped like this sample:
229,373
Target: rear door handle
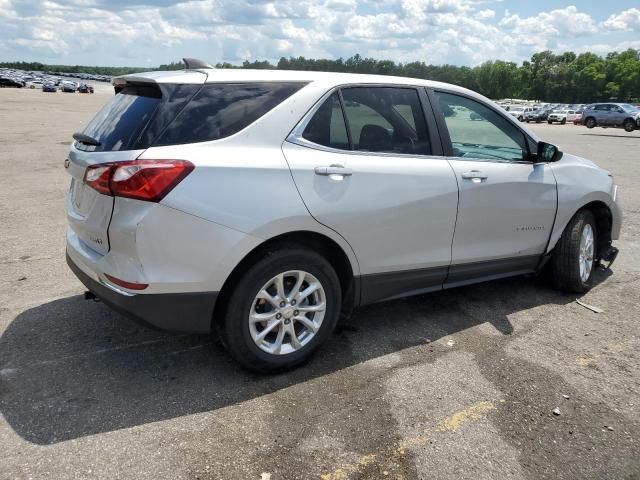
475,176
333,170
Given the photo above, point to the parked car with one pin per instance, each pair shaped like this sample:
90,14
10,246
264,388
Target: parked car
577,118
84,88
10,83
32,84
69,87
519,112
572,115
536,116
262,204
557,116
49,87
619,115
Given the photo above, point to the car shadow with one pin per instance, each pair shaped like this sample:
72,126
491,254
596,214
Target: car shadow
71,368
623,134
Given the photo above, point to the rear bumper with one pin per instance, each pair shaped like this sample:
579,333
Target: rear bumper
185,312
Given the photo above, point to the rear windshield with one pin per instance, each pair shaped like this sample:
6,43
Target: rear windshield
119,124
140,116
220,110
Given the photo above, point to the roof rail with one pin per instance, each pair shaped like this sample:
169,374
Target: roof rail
194,63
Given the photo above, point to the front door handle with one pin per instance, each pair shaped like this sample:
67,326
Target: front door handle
476,176
333,170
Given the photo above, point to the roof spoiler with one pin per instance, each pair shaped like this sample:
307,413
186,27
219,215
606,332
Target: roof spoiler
194,63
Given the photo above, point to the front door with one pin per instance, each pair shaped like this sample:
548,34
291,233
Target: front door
507,203
364,164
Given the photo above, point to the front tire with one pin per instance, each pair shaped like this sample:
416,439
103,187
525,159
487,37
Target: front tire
590,122
281,310
573,260
629,125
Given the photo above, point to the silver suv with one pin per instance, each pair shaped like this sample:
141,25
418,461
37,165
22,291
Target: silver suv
264,204
621,115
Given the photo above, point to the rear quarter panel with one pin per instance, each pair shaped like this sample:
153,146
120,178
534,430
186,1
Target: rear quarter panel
243,182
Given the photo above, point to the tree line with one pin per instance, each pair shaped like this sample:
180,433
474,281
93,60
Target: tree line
91,70
565,77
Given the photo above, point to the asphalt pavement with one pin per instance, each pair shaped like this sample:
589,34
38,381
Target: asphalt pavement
460,384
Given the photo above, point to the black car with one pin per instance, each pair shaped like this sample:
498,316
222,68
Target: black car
84,88
10,82
537,115
49,87
68,87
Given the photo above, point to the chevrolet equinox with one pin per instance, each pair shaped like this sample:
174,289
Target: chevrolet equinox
262,204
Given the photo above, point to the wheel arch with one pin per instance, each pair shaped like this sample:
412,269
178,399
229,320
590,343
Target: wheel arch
604,222
318,242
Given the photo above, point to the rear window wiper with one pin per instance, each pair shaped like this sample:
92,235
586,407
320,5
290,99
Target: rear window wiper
86,139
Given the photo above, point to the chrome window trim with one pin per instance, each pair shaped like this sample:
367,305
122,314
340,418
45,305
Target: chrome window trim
296,138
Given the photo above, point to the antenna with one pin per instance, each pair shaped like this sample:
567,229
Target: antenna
194,63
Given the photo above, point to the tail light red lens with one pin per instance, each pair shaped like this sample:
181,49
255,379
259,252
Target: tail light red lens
98,177
148,180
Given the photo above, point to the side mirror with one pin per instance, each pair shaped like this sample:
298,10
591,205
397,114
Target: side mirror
548,152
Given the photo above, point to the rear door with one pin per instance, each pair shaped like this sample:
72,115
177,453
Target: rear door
603,114
367,165
123,129
507,203
618,115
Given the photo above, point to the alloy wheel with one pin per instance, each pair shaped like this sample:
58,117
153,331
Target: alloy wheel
287,312
587,248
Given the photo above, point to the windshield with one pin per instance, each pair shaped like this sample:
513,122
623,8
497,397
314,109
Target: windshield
516,109
628,108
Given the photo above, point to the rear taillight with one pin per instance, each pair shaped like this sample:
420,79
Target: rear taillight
148,180
98,177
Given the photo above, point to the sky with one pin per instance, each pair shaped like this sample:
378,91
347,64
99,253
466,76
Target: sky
460,32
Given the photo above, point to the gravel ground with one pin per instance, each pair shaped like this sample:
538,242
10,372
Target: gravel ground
452,385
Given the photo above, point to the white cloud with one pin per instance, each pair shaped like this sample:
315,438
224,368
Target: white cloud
117,32
626,20
485,14
554,23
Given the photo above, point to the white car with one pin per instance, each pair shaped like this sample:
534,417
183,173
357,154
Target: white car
262,205
519,112
573,116
558,116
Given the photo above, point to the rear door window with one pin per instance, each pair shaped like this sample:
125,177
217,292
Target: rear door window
378,119
386,119
327,126
220,110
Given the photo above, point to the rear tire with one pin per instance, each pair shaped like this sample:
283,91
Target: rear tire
293,326
573,260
